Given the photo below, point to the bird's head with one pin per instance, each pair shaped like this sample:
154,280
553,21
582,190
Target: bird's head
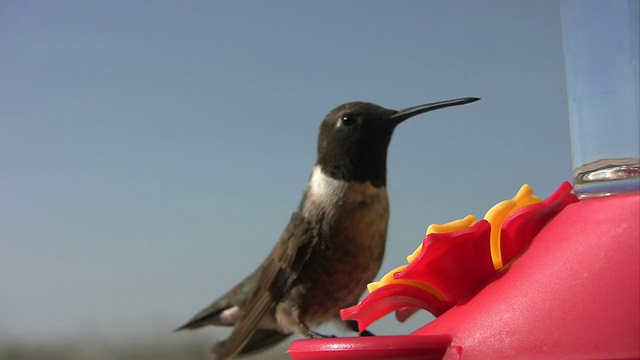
354,138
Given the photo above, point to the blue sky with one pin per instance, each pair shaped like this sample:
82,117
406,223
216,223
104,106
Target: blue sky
151,152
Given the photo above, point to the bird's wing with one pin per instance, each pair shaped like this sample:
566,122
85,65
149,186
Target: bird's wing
278,273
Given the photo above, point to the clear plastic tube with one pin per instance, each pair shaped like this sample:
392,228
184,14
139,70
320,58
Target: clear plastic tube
601,45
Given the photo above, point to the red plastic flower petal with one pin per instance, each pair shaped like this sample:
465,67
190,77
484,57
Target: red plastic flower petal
457,264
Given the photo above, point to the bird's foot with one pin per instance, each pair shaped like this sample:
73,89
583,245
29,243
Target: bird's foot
314,334
353,325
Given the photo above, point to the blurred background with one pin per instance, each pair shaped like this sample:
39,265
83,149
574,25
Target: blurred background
151,152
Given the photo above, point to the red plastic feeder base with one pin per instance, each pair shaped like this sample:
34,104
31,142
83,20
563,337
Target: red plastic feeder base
575,293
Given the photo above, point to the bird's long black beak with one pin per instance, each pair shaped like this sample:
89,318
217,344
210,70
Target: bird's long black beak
404,114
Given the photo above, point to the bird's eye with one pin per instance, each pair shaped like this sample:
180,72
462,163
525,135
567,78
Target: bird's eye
348,120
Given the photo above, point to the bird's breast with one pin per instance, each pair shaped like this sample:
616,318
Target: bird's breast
354,218
353,215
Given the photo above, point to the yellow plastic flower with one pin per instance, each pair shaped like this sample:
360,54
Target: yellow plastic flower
495,216
499,212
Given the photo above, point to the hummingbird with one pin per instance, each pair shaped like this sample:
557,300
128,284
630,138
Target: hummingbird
334,243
